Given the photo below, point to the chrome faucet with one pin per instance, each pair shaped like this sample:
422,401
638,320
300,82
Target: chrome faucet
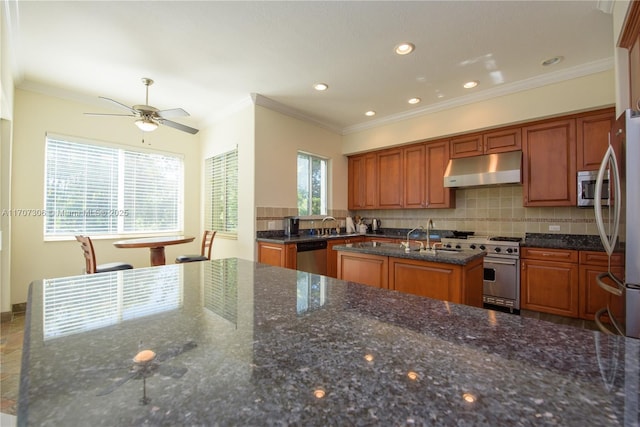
325,219
406,245
429,228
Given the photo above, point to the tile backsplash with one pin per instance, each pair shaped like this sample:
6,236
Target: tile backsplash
495,210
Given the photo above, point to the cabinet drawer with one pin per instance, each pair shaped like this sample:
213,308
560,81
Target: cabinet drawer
563,255
600,258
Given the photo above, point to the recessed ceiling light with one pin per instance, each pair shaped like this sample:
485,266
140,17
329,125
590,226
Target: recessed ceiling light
321,86
552,61
404,48
440,95
370,113
414,100
471,84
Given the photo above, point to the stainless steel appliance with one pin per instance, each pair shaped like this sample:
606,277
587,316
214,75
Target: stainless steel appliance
587,189
501,284
291,226
619,229
312,257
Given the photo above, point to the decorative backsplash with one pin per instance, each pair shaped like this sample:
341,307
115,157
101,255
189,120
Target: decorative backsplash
495,210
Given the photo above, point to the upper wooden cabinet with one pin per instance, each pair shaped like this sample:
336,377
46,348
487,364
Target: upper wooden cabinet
362,181
498,141
549,163
390,179
415,181
436,158
466,146
630,39
593,138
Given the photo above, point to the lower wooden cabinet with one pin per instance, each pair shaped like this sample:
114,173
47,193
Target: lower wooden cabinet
461,284
549,281
372,270
280,255
332,256
592,296
563,282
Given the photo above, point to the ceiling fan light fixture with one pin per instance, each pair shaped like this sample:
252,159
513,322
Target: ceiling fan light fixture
146,125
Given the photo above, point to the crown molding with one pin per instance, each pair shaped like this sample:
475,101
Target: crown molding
269,103
506,89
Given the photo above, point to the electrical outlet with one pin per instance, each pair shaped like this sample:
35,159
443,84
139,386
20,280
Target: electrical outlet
554,228
271,225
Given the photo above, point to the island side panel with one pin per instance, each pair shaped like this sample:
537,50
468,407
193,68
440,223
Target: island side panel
472,283
428,279
372,270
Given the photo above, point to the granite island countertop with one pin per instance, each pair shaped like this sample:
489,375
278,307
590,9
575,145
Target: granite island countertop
447,256
243,343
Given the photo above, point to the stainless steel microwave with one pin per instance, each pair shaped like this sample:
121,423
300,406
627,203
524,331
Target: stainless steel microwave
587,188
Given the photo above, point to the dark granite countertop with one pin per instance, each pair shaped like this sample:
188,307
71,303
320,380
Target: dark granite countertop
563,241
396,250
242,343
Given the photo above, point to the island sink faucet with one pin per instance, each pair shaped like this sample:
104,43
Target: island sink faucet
406,245
429,228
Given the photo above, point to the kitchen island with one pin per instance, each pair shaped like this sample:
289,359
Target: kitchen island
445,274
243,343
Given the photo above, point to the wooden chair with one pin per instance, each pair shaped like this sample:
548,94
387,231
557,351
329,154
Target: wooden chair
90,258
205,249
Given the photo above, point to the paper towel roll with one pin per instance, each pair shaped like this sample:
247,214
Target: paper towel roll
351,228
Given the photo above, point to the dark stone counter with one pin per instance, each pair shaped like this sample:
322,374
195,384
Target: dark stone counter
242,343
563,241
397,251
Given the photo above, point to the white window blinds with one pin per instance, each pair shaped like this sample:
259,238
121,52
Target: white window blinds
221,186
102,190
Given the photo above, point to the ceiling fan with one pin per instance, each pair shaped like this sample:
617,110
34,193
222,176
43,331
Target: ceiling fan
148,118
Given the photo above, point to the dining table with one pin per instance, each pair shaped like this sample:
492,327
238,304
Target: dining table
155,244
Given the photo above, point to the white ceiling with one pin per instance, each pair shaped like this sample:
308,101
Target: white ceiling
208,56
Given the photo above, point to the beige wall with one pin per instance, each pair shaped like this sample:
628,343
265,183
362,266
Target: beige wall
585,93
35,115
278,139
235,130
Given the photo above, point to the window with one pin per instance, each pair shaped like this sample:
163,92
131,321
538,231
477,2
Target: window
312,185
104,190
221,175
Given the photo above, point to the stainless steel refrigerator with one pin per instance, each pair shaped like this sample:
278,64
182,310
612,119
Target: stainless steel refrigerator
619,226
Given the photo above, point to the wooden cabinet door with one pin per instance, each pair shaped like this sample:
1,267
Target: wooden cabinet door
550,287
280,255
634,71
362,181
414,179
466,146
593,138
389,179
592,296
502,141
372,270
436,158
549,169
432,280
332,256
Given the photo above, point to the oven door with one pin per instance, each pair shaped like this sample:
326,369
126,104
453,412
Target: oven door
501,284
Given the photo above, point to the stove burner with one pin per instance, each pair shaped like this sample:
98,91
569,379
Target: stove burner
506,239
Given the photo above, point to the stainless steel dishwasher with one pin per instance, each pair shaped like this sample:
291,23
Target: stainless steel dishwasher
312,257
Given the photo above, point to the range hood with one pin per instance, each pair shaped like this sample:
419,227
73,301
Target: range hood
490,169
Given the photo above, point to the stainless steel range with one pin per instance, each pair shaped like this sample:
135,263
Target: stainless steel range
501,285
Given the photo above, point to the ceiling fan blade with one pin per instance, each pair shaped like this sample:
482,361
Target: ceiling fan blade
174,112
119,104
109,114
178,126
